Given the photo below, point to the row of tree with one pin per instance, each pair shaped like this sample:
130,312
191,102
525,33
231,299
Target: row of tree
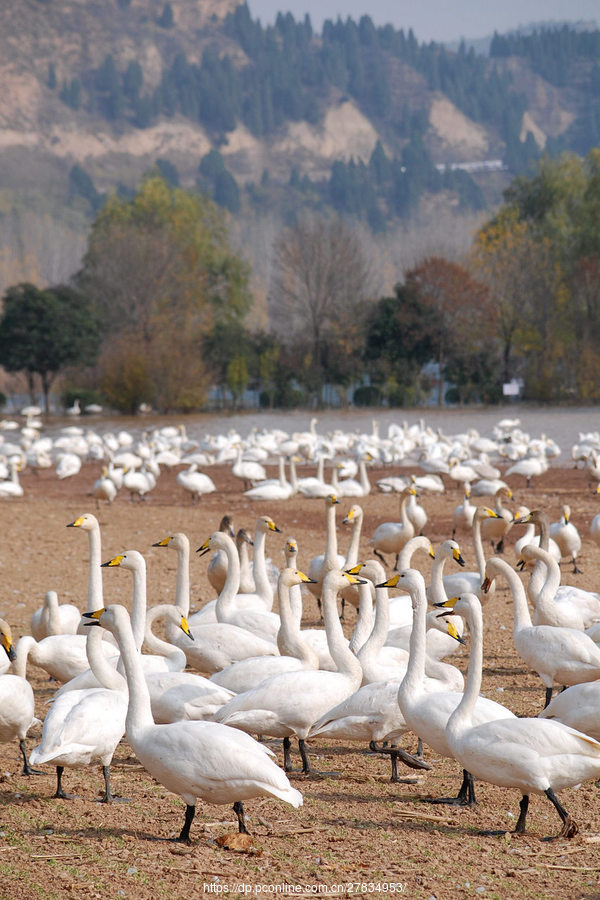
157,312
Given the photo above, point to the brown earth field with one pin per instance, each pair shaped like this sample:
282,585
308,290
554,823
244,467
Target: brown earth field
356,833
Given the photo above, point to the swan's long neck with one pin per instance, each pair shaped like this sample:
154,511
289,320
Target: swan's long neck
352,553
293,475
139,604
139,711
461,718
379,633
538,574
345,661
247,583
259,567
364,478
478,547
331,547
225,607
521,614
50,614
438,591
364,622
289,636
23,648
154,644
95,599
412,683
182,587
547,592
103,671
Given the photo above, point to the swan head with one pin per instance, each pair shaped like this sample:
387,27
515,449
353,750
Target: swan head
6,640
409,580
217,541
131,559
290,576
87,522
484,512
266,524
331,500
242,537
466,605
176,541
355,512
226,525
451,550
372,570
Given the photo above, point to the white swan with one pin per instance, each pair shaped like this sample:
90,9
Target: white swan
532,755
83,727
427,711
278,489
463,582
559,655
290,703
495,528
12,487
104,488
16,703
567,537
578,707
193,759
54,617
390,537
558,604
295,652
195,483
320,565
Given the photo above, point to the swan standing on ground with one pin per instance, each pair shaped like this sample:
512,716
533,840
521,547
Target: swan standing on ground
217,567
83,727
12,487
462,582
532,755
567,537
320,565
427,711
195,483
16,703
291,703
559,655
193,759
104,488
556,604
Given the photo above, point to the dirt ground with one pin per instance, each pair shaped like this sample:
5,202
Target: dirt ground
356,833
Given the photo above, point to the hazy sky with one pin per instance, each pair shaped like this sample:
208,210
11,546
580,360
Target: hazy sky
434,20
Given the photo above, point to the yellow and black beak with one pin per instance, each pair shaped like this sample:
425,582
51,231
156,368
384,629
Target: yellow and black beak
204,548
115,561
164,543
183,624
77,523
93,616
391,582
7,644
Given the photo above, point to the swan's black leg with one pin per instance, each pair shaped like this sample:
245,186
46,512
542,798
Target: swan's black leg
419,752
27,769
524,806
465,796
109,797
287,758
576,569
184,837
548,696
60,794
570,827
377,553
306,767
238,808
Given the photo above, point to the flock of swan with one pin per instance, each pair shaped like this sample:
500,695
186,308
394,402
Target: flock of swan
196,703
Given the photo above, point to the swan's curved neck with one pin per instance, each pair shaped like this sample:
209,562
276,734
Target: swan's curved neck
521,614
104,672
259,568
345,661
379,633
50,614
154,644
478,547
545,596
224,607
438,591
23,648
139,604
139,711
289,636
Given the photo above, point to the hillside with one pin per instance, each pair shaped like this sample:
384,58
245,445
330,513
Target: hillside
364,120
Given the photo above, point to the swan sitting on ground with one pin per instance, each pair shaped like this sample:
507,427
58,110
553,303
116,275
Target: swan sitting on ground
54,618
203,760
532,755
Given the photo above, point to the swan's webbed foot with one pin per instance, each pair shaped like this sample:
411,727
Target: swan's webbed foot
184,836
465,796
307,769
576,569
570,827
